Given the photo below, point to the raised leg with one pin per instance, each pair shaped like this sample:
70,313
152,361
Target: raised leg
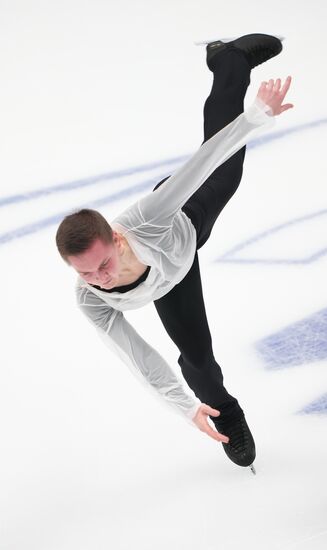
231,77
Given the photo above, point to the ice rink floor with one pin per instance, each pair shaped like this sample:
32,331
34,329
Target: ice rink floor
99,102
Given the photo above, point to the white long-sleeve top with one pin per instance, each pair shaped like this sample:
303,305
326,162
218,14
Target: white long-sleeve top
163,237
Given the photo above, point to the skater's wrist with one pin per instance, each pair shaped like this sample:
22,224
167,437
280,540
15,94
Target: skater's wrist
260,104
192,412
259,114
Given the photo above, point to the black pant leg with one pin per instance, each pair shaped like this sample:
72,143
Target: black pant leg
182,312
231,78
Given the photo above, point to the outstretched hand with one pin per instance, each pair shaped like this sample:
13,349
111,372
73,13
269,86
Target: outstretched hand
200,419
272,94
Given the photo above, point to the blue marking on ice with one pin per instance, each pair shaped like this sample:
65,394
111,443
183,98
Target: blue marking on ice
53,220
144,186
87,182
319,406
282,133
298,344
228,257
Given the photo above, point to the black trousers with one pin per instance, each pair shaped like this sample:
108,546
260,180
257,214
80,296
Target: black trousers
182,310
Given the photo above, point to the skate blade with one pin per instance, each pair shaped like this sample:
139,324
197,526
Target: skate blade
252,468
206,42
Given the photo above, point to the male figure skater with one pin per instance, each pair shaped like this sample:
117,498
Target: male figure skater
150,252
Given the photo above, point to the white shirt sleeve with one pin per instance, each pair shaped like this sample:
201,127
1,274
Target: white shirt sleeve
159,207
143,361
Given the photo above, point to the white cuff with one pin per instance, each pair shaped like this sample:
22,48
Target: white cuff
259,113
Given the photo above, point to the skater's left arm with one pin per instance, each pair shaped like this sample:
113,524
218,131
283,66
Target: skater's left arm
160,206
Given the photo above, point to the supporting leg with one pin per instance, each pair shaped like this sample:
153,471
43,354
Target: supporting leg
182,312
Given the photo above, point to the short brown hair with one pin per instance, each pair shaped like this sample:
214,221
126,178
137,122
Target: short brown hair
79,230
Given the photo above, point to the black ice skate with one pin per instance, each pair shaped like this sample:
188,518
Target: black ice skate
257,48
241,446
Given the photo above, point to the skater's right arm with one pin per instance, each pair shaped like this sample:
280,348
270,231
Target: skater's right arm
145,362
142,360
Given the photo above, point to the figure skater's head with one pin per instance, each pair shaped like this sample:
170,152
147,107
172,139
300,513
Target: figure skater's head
87,243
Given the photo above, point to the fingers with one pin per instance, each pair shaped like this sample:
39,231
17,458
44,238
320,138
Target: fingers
201,421
263,89
286,107
211,432
209,410
215,435
272,86
286,86
273,93
277,85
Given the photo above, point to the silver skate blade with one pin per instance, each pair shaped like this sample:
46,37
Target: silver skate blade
253,469
206,42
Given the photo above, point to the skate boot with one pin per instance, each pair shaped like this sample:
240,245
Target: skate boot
241,446
257,48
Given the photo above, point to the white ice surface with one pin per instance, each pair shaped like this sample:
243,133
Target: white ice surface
92,87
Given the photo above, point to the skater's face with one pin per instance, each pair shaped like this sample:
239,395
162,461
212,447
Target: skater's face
99,264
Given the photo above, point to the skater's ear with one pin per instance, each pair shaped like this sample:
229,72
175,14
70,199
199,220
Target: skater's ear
117,239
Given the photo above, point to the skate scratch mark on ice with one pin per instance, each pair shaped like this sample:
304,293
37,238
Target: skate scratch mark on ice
228,257
295,545
129,191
